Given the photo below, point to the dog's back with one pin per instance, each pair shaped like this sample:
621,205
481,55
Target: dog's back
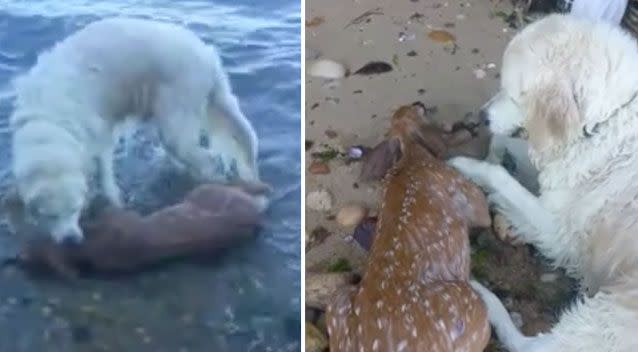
125,62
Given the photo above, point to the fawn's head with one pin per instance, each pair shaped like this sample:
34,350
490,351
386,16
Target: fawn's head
410,127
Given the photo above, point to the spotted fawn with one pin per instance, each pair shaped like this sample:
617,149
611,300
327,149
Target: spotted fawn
414,294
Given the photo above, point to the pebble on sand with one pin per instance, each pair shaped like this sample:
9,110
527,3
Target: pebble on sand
319,200
480,73
319,168
351,215
316,341
441,36
326,68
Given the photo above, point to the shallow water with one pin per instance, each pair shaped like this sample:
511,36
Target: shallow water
245,300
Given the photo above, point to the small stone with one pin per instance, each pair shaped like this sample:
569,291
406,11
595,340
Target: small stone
319,168
187,318
351,215
87,309
549,277
441,36
326,68
517,319
308,238
46,311
309,144
480,73
81,333
355,152
331,134
315,21
319,200
364,232
316,341
318,235
321,324
312,314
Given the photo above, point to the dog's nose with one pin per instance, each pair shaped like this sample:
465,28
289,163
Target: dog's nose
484,117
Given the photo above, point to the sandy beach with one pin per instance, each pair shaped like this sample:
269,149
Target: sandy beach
444,54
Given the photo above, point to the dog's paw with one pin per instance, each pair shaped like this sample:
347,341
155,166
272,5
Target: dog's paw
504,230
473,169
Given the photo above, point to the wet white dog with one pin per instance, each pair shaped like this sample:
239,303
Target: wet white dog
68,104
572,85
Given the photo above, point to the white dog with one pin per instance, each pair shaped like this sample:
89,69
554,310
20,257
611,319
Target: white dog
68,104
572,85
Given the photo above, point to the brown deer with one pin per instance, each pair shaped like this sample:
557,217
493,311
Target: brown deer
211,217
414,294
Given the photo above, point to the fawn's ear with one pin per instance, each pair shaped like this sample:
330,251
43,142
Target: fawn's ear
381,159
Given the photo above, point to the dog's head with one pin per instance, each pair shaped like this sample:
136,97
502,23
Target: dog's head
555,82
48,205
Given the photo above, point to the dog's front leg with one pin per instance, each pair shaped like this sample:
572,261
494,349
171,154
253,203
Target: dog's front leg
107,178
531,221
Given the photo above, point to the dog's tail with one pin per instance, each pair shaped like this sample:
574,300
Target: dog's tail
500,319
229,131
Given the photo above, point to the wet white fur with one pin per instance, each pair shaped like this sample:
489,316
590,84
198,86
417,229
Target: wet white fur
68,104
585,218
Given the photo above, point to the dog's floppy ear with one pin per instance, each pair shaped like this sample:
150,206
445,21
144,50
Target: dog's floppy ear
381,159
552,115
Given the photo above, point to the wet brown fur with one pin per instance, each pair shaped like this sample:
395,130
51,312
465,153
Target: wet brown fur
211,217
